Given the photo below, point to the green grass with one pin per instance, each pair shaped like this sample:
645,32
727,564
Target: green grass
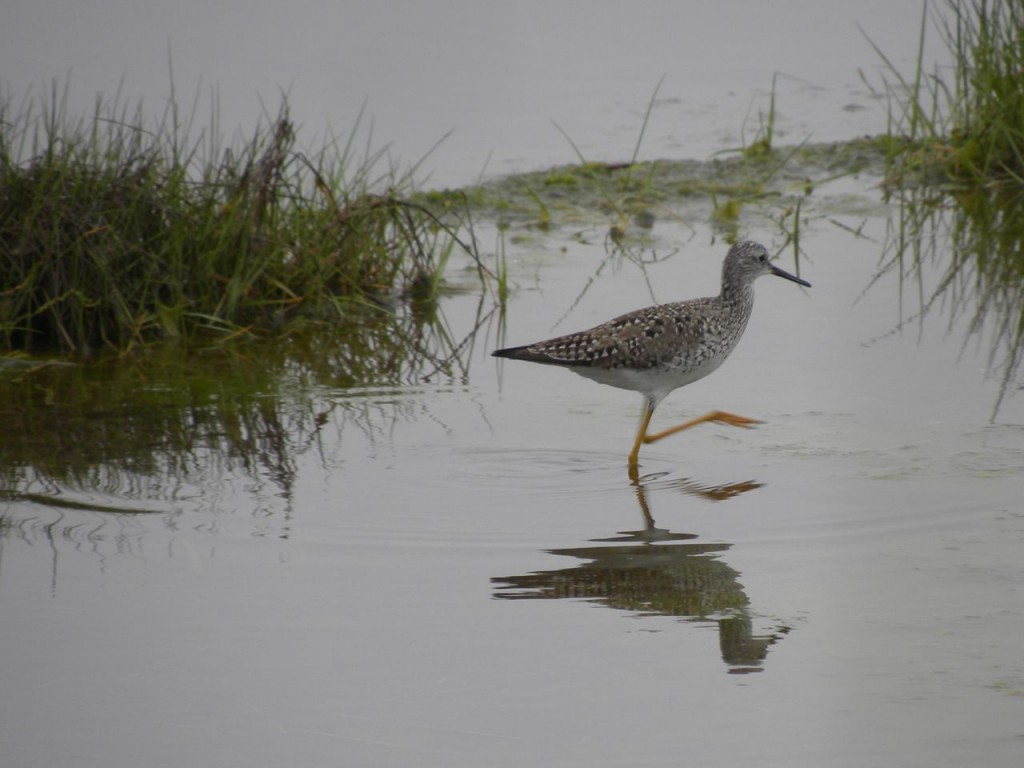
955,156
964,127
761,146
988,121
117,231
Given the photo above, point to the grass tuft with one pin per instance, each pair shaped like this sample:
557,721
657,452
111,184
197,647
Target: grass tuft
970,130
115,232
955,154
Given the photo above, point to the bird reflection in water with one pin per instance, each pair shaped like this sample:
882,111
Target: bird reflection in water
655,572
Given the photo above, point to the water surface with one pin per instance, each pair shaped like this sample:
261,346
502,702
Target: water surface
325,571
274,555
496,78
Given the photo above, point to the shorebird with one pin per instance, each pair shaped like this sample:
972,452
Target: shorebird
661,348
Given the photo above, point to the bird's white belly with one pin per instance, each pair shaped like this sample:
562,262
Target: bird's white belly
651,382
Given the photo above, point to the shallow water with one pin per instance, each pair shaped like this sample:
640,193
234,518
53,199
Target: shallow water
497,80
269,557
461,572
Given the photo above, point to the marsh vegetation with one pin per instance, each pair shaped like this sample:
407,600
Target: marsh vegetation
955,159
116,231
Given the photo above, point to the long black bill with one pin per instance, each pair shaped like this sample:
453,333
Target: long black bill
783,273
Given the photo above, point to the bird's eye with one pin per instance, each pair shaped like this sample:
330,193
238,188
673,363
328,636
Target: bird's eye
763,258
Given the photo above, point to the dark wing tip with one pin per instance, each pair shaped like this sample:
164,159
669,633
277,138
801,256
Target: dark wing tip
536,353
515,353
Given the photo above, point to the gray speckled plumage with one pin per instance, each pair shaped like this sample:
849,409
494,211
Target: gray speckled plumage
661,348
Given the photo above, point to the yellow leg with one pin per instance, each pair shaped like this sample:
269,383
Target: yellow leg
720,416
641,436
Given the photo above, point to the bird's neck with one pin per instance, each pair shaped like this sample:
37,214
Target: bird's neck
741,296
